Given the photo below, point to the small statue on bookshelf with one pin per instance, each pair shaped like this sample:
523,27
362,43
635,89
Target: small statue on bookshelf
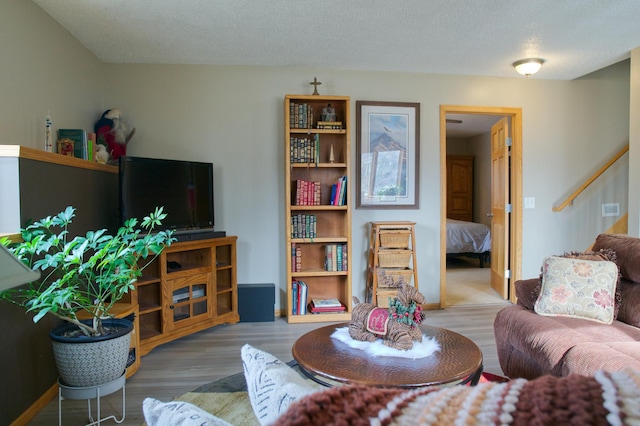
102,156
328,113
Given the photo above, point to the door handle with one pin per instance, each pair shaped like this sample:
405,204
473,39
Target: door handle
489,214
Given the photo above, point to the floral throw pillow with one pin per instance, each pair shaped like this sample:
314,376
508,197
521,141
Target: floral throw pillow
578,288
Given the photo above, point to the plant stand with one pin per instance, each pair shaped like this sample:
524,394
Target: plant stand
90,392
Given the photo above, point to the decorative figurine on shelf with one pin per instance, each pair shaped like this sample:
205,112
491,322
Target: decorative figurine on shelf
315,84
329,113
114,131
48,142
397,326
102,156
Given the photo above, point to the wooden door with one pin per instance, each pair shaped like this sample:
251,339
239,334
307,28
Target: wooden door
460,187
499,209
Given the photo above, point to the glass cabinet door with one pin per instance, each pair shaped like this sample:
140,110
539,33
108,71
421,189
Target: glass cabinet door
191,300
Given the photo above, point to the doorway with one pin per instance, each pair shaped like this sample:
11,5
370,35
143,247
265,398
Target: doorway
509,186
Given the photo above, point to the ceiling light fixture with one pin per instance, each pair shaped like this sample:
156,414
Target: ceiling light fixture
528,66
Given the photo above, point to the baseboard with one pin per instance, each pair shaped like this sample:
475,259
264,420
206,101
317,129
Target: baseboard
36,407
427,307
431,306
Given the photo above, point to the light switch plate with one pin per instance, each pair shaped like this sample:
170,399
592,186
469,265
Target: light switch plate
610,209
529,202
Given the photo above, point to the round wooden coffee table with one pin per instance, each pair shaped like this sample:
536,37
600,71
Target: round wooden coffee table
327,361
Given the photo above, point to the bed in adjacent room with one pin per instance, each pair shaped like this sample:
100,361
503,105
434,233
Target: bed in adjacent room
468,239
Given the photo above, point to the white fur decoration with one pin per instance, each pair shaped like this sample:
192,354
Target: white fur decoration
423,349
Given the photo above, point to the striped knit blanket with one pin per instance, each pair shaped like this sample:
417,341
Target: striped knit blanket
605,399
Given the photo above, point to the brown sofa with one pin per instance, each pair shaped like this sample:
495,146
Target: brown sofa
530,345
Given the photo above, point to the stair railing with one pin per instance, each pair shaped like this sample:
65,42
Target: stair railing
589,181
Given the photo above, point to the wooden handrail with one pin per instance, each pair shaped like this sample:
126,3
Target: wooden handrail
589,181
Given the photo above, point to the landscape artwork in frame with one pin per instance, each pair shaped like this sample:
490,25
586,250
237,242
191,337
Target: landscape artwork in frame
387,147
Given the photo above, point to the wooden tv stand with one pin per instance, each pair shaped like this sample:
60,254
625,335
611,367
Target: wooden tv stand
191,286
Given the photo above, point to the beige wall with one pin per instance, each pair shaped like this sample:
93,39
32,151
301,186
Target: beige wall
43,69
233,117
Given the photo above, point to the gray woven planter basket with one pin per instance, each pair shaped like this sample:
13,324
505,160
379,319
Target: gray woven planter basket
91,361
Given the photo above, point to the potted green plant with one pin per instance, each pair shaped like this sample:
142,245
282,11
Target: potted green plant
85,275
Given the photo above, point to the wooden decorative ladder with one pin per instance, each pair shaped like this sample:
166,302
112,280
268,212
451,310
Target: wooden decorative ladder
392,260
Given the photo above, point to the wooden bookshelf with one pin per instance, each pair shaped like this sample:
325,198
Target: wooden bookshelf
325,160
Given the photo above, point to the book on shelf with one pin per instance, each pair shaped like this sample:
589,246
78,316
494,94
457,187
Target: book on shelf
91,146
299,295
342,200
304,226
329,125
294,295
79,138
300,116
335,256
303,289
339,192
317,307
307,193
293,259
327,310
296,258
304,150
326,303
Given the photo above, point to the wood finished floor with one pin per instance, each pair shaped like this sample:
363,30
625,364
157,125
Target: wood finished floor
183,365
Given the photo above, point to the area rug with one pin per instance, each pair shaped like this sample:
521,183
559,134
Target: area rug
228,399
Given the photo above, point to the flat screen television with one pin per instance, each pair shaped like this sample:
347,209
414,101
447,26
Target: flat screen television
183,188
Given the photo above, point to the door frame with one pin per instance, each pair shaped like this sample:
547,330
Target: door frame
515,173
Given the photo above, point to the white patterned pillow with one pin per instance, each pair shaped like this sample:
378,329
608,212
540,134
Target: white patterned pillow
177,413
272,385
577,288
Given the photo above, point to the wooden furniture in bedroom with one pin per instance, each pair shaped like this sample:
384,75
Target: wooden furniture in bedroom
392,260
460,187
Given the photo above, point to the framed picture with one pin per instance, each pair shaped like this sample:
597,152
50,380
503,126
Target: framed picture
387,148
65,147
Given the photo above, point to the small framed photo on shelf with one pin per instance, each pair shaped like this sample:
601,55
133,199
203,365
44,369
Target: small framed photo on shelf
387,155
65,147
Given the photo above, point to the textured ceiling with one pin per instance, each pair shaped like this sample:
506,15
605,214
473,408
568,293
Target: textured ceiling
480,37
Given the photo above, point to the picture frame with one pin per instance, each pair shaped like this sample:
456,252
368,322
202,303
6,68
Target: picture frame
387,155
65,147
